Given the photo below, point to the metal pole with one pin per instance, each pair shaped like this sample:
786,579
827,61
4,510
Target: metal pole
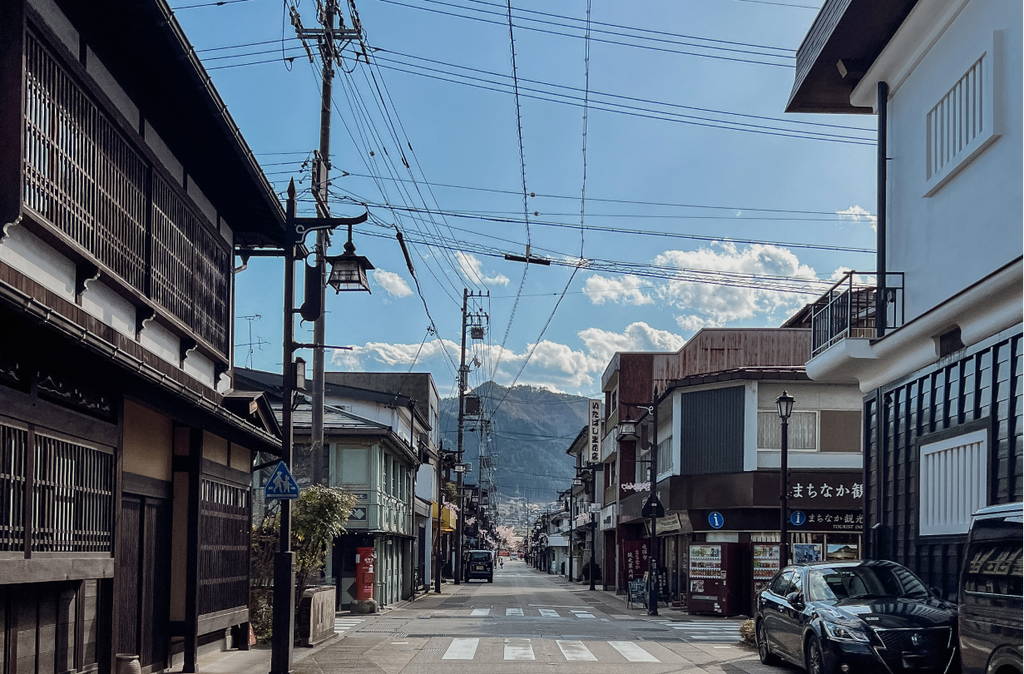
440,512
593,530
462,421
319,326
784,497
881,308
652,597
284,560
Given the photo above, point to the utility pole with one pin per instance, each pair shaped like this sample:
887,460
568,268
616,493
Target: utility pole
327,38
463,377
474,321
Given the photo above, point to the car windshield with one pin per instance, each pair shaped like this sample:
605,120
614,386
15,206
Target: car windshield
852,582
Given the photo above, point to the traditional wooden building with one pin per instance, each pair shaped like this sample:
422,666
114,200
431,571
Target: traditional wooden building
124,457
933,337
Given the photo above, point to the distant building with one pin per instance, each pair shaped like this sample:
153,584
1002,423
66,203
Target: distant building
377,443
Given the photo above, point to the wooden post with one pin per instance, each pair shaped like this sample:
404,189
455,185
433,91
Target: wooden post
195,463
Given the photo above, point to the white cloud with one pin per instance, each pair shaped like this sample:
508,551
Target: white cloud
473,268
857,213
394,284
622,290
718,304
693,323
554,366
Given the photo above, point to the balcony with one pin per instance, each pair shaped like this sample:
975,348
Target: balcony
849,311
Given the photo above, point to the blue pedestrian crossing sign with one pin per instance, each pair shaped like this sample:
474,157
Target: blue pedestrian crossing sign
798,517
281,484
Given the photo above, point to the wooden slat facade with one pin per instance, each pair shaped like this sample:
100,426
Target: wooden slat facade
976,388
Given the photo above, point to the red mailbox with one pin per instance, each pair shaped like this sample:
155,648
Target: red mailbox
364,573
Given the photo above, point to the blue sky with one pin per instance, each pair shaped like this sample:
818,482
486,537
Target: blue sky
666,168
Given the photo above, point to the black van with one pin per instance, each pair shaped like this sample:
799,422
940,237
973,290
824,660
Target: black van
480,564
990,596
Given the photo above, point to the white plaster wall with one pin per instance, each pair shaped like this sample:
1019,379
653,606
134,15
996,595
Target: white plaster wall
972,225
106,305
111,88
425,486
40,262
161,341
200,367
201,201
58,23
167,158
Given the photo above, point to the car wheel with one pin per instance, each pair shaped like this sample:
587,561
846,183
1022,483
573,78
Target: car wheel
763,651
815,658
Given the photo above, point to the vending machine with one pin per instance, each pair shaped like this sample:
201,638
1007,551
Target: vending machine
765,564
716,579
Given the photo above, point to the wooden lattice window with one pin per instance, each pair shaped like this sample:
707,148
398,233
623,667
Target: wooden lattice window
80,173
13,450
224,530
72,500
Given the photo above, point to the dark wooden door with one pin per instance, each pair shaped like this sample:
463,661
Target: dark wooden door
142,578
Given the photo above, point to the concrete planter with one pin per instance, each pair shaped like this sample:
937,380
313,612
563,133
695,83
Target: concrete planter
316,615
127,663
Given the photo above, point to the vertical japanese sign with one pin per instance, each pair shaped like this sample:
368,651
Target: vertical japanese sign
594,451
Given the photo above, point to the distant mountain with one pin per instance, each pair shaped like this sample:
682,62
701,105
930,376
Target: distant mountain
529,431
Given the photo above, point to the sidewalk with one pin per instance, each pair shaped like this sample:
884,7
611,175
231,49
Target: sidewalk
257,660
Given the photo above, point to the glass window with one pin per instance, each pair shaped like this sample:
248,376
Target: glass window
803,430
869,580
994,567
783,583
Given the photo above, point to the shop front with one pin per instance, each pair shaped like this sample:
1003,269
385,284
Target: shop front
732,547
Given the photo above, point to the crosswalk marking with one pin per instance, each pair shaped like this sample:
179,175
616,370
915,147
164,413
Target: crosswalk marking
342,624
548,613
585,615
518,649
513,611
461,649
623,617
480,612
576,651
632,652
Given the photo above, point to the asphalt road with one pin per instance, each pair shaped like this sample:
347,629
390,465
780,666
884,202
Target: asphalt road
526,621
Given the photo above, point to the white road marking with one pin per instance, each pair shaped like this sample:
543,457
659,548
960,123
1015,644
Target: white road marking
461,649
586,615
624,617
518,649
513,611
632,652
480,612
548,613
576,651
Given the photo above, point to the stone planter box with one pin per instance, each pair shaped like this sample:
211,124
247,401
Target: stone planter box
316,615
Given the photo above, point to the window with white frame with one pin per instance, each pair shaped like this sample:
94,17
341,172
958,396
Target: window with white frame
965,120
803,430
954,483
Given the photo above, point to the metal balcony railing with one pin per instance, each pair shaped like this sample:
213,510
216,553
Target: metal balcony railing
849,310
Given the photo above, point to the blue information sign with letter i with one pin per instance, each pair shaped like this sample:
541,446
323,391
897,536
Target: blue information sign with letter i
716,520
798,518
281,485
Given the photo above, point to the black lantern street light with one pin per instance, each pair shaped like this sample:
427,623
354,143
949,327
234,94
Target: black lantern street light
652,508
296,229
785,404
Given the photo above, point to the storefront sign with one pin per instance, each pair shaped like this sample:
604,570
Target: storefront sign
594,444
824,490
716,520
831,520
635,558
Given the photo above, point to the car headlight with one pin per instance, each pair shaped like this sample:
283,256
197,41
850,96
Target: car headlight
844,633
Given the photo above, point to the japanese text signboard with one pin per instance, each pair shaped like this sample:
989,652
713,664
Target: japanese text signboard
594,446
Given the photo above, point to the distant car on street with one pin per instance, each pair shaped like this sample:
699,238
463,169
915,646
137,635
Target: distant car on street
855,616
990,594
480,564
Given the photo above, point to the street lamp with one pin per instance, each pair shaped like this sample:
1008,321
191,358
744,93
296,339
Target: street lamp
296,229
348,270
785,404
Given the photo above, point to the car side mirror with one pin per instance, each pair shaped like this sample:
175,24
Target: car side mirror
795,599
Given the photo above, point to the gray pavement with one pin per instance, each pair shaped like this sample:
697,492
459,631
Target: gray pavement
527,619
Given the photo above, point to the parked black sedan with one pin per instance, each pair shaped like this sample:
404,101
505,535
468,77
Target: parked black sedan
855,616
